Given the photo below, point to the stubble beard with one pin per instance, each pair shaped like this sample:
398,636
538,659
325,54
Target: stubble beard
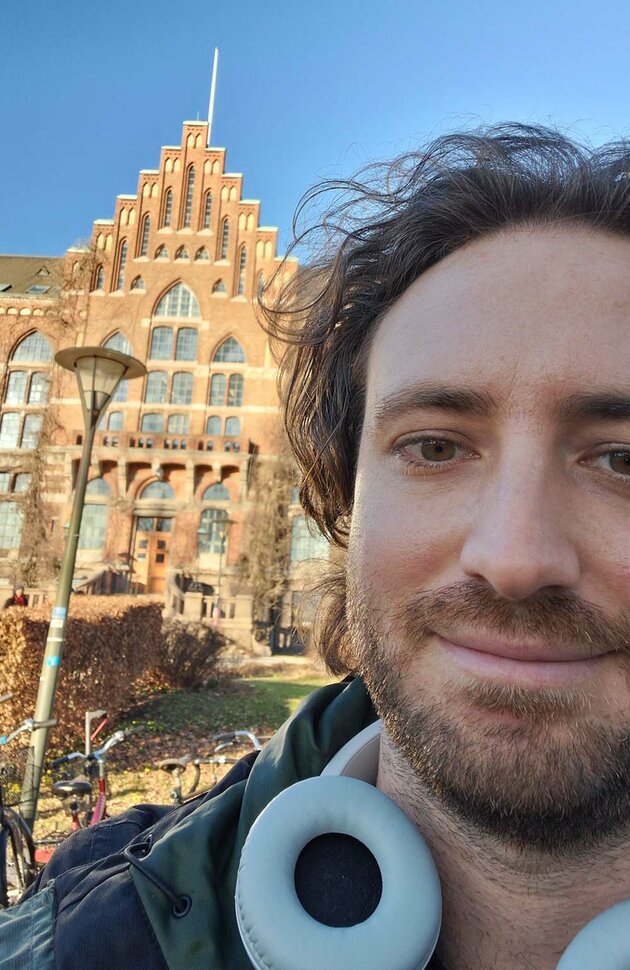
551,778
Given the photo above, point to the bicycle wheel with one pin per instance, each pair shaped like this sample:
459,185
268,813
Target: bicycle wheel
19,868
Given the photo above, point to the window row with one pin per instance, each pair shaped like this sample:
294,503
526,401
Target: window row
176,424
19,430
27,387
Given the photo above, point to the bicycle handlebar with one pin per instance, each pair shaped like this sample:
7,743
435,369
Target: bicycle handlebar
96,755
28,725
231,736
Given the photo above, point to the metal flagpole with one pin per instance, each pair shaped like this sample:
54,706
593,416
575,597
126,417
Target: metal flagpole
213,87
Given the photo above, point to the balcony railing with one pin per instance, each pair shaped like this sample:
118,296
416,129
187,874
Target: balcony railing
167,442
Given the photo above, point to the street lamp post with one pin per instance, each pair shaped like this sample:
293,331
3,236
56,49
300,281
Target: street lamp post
99,372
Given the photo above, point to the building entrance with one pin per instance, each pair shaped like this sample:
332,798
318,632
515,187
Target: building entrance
151,551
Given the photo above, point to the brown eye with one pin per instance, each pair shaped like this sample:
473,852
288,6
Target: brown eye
620,462
436,449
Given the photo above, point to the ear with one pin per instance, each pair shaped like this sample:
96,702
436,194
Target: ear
603,943
279,933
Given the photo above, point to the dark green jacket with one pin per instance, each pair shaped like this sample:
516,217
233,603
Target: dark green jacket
94,907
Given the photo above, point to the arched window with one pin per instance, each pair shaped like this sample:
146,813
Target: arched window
182,388
30,431
155,390
161,252
242,265
182,253
99,278
137,283
219,287
306,541
158,490
179,301
152,422
217,389
186,346
161,344
235,391
225,238
213,425
202,255
10,429
212,533
216,493
190,186
119,342
177,424
36,348
93,526
232,427
98,486
207,210
115,421
122,262
11,518
168,208
144,241
229,352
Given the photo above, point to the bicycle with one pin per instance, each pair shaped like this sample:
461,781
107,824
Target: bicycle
18,853
176,767
77,793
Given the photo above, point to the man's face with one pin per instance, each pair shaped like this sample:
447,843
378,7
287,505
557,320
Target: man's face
489,556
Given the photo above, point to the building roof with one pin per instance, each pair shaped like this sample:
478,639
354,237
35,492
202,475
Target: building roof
18,274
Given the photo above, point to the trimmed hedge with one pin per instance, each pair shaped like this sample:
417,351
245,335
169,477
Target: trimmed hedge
112,644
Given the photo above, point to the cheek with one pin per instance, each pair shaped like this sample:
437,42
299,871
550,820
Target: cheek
397,542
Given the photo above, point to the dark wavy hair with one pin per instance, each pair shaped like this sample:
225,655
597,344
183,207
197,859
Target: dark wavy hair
383,229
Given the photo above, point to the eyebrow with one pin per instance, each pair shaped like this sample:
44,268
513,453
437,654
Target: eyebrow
431,396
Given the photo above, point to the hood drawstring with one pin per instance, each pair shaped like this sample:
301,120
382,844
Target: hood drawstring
135,854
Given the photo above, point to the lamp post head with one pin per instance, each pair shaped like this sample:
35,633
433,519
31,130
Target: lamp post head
99,371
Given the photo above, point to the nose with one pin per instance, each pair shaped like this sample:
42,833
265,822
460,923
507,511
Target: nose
520,541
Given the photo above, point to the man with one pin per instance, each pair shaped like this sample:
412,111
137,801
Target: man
18,598
457,394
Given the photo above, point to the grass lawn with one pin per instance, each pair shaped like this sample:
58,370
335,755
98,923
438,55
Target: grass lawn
177,721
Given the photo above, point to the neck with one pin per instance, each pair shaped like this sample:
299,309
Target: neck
503,907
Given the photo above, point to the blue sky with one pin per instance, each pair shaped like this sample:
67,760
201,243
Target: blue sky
89,92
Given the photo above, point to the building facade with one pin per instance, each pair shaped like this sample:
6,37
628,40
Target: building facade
173,280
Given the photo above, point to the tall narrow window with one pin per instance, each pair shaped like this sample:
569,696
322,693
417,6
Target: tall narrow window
190,186
155,390
168,208
30,431
182,389
99,279
207,211
235,391
144,243
122,262
38,391
11,515
225,238
186,346
16,387
242,264
217,389
161,344
9,430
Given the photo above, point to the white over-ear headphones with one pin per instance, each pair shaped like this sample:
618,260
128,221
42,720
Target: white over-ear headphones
401,929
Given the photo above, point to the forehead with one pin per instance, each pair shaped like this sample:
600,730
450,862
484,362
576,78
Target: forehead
527,313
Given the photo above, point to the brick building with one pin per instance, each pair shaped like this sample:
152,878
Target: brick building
172,279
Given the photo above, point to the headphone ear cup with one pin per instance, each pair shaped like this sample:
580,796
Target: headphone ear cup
279,934
603,943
